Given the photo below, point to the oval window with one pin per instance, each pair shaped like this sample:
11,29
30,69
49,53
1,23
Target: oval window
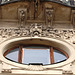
36,55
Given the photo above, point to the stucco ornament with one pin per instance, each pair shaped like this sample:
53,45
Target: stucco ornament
35,68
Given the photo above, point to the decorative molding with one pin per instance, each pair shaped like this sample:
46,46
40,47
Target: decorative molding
39,30
35,68
72,63
67,72
73,18
6,71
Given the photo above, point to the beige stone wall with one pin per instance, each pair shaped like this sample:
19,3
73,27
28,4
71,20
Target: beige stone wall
61,13
10,11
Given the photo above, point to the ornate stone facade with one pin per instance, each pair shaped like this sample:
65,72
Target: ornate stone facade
51,22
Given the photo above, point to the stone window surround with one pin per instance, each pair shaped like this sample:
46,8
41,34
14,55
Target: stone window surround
43,40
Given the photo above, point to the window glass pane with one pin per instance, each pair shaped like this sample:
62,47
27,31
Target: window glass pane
36,56
13,55
58,56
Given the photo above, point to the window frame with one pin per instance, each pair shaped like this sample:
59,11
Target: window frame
20,54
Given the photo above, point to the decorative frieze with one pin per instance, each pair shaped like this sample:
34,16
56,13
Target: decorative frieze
36,30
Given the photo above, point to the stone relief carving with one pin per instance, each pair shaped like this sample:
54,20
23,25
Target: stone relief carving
36,30
35,68
22,16
39,68
49,16
30,68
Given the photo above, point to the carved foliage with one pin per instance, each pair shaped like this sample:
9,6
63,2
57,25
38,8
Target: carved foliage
36,30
